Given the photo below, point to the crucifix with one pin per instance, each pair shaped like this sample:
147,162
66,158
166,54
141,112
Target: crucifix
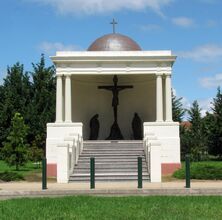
114,25
115,133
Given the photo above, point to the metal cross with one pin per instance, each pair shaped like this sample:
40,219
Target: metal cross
114,27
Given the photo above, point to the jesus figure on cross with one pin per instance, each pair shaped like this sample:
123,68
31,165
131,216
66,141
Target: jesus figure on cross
115,89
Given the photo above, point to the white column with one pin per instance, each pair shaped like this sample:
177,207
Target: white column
59,99
68,99
159,98
168,96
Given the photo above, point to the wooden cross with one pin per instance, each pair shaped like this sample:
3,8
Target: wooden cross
114,27
115,89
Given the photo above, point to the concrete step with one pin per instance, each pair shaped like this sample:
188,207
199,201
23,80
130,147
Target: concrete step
111,158
87,171
108,178
110,174
110,162
109,166
112,149
114,161
112,142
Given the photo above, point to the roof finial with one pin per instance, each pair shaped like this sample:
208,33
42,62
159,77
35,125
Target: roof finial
114,25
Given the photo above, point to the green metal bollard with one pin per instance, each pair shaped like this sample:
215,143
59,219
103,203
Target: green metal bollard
140,173
44,173
92,173
187,171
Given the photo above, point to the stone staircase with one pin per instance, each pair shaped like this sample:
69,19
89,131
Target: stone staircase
114,161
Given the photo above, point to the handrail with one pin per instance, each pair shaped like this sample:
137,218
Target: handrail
75,149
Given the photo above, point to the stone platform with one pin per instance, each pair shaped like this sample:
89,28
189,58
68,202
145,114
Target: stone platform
28,189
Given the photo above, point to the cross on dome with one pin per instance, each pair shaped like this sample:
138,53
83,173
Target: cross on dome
114,25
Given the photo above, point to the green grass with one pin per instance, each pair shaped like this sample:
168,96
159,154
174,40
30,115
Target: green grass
80,207
28,172
207,170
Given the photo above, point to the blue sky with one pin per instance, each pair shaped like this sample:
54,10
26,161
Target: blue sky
192,29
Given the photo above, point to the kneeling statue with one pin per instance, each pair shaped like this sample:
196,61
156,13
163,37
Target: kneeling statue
94,127
137,127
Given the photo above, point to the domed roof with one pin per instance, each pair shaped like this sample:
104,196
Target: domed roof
114,42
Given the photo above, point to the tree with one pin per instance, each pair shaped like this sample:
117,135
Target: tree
196,140
177,108
35,153
214,126
15,148
15,96
42,107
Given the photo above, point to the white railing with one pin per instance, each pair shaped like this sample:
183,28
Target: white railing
152,150
68,155
146,147
75,149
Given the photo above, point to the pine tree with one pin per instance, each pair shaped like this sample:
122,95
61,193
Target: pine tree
196,139
177,108
15,97
15,148
215,126
42,107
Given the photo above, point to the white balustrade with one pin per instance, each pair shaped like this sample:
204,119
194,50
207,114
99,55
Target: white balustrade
152,150
68,155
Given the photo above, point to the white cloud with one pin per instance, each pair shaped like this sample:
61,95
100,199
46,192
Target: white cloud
204,53
209,1
89,7
150,27
51,48
211,82
183,22
3,73
211,23
205,105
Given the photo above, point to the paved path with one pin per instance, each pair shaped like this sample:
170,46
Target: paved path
28,189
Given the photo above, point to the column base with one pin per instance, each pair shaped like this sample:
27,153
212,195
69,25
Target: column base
52,170
169,168
68,121
159,121
59,121
169,120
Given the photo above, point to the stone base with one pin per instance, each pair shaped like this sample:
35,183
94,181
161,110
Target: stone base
169,168
52,170
115,132
56,134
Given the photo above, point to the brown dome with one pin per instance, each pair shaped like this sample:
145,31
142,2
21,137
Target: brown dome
114,42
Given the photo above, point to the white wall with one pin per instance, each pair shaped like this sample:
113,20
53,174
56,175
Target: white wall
168,135
56,132
88,100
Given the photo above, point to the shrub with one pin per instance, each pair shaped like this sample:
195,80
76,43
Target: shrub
15,147
10,176
211,170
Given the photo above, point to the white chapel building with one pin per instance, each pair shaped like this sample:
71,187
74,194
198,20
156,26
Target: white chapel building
79,74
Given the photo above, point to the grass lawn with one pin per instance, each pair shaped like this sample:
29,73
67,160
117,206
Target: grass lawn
30,171
82,207
206,170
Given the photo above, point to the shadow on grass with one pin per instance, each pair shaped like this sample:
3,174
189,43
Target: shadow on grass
8,176
29,171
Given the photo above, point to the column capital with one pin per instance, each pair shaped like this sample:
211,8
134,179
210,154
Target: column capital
168,75
58,75
159,74
67,74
